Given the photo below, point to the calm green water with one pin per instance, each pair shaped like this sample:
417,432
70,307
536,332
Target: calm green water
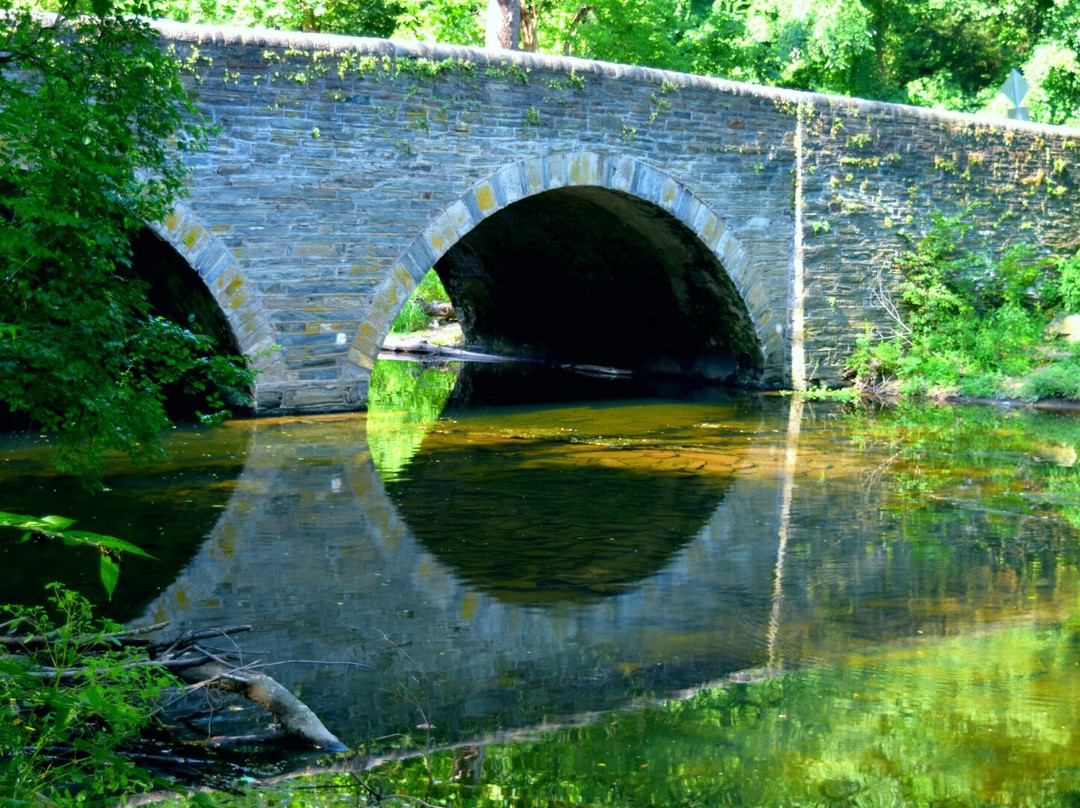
687,599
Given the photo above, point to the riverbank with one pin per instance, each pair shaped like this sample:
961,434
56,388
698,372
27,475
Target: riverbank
444,342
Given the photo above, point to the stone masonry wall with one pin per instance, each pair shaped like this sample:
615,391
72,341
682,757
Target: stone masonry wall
874,176
345,167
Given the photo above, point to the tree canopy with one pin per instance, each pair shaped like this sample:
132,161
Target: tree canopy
94,124
953,54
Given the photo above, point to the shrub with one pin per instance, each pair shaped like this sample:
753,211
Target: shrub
969,322
875,361
61,737
1069,283
1058,380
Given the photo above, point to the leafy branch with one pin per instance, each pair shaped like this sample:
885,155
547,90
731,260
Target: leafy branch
56,528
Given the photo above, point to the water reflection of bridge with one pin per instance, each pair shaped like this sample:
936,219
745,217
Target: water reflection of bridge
312,550
791,562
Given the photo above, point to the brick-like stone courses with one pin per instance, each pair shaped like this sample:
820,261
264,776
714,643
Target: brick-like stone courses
345,167
873,177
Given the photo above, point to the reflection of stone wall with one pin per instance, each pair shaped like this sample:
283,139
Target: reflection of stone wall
311,551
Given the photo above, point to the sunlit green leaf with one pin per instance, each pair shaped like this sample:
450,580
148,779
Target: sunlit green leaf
107,542
109,570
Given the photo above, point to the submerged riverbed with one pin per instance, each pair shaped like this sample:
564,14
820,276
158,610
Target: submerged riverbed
589,593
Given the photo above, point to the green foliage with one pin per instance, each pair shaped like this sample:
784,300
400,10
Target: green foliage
968,322
61,738
456,22
411,317
823,45
875,360
1057,380
1069,284
720,44
95,125
56,528
645,32
1052,67
355,17
827,394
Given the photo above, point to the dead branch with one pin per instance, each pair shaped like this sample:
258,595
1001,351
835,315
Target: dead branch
295,716
881,295
127,637
70,674
255,739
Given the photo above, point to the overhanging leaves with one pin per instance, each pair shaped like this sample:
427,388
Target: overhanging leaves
91,110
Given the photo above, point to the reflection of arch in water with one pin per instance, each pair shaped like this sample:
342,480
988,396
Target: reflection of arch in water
313,552
545,508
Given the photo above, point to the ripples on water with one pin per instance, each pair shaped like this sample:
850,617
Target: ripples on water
880,600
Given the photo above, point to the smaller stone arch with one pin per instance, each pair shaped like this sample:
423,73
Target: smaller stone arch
530,177
237,297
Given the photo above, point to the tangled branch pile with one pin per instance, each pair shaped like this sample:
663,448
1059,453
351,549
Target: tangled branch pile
81,700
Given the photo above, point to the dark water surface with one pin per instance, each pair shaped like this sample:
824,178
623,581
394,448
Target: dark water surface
705,599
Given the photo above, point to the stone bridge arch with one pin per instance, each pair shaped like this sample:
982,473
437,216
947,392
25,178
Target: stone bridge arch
238,299
623,175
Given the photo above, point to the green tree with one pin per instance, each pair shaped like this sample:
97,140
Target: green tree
455,22
94,127
353,17
1053,67
645,32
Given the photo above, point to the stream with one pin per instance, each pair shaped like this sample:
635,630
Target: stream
578,591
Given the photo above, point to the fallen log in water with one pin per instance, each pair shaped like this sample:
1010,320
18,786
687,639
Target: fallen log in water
295,717
444,311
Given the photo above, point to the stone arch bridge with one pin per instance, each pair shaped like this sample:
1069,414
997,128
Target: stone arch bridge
579,211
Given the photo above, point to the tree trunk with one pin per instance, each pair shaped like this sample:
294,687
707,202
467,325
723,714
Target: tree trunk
528,29
503,25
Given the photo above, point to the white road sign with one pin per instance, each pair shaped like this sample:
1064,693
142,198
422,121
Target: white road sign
1015,87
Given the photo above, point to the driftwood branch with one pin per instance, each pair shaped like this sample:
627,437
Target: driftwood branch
296,717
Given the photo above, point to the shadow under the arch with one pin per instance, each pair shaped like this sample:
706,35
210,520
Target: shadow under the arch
592,275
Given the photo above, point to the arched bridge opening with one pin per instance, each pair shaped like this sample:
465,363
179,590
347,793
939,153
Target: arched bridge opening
589,275
177,293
